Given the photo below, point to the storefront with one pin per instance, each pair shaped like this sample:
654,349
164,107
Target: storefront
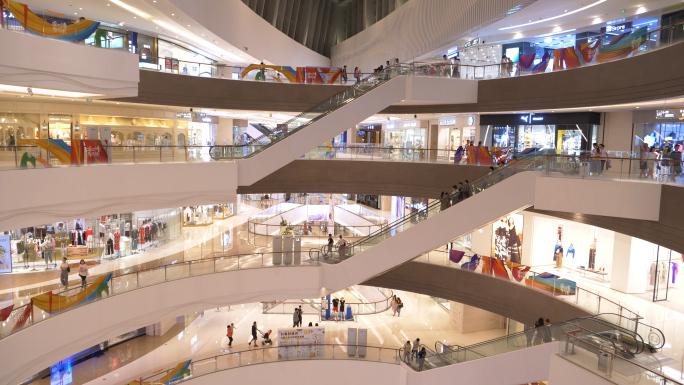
19,126
176,59
662,129
566,134
201,128
198,215
371,133
127,131
93,239
455,132
223,211
62,127
407,134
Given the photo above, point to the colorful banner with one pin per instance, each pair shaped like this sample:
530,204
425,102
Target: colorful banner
34,24
95,152
455,256
486,265
570,58
76,152
54,304
622,46
557,60
541,67
25,315
178,373
318,75
526,61
459,154
499,269
57,147
552,284
518,271
288,72
588,50
472,264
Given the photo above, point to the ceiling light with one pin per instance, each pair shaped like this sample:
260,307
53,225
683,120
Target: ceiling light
597,20
121,24
81,9
173,14
640,10
108,5
518,35
557,29
131,9
75,13
547,40
553,17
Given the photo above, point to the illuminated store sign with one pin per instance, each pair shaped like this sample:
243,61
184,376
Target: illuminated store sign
531,118
410,124
447,122
617,28
472,42
669,114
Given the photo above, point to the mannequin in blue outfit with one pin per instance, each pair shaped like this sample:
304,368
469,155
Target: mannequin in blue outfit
571,249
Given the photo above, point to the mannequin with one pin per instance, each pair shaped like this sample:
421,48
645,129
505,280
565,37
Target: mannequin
571,249
89,240
134,238
555,249
592,255
49,248
110,243
25,240
559,256
102,230
117,240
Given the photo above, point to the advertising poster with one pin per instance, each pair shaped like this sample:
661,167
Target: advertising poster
5,254
507,238
296,343
168,63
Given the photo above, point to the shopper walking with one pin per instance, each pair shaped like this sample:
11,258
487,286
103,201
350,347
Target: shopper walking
604,158
443,201
83,273
254,334
394,304
547,330
529,334
341,315
539,331
446,66
229,334
49,247
64,273
344,75
400,305
407,352
295,318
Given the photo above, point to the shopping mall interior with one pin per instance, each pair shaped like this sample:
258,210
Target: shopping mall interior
506,174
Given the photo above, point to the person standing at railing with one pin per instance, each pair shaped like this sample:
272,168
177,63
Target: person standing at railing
415,348
595,155
455,68
295,318
443,201
301,314
604,159
344,75
643,161
341,314
539,331
357,75
393,302
341,246
407,352
676,162
651,158
446,66
331,241
421,358
503,68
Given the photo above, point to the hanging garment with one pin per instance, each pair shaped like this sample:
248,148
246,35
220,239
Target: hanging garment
652,273
134,239
555,251
87,233
142,235
592,258
110,247
117,239
675,268
559,258
571,250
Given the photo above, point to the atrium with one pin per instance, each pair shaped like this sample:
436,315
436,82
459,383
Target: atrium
341,191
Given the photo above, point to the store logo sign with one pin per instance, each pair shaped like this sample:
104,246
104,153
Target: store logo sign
619,28
472,42
447,122
531,118
410,125
390,126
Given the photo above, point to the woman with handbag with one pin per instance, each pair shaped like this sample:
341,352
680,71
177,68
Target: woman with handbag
64,273
83,273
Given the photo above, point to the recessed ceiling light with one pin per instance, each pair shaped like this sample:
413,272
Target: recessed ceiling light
173,14
81,9
555,17
75,13
108,5
121,24
135,17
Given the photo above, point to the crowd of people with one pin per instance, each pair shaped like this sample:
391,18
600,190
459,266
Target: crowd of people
540,333
663,162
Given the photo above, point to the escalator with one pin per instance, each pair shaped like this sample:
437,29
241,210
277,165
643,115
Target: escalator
265,131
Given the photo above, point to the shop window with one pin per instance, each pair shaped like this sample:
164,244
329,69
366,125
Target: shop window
134,138
152,139
117,138
181,140
166,139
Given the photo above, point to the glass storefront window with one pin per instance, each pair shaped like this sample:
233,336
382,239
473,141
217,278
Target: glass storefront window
503,136
198,215
659,135
409,138
538,136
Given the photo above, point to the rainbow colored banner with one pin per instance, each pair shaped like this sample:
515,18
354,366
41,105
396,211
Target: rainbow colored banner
289,73
25,315
588,50
57,147
499,269
526,61
486,265
6,312
472,264
552,284
36,25
95,152
318,75
459,154
517,271
54,304
541,67
622,46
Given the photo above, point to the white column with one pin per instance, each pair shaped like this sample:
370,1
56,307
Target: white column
617,131
631,263
224,134
468,319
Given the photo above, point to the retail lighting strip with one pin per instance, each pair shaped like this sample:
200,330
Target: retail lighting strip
553,17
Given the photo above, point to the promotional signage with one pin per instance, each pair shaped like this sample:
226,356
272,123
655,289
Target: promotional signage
5,254
410,125
447,122
617,28
290,342
472,42
531,118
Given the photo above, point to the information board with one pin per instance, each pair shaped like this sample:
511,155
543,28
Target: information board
296,343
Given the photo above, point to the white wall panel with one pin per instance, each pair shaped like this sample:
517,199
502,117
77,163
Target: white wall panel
66,66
